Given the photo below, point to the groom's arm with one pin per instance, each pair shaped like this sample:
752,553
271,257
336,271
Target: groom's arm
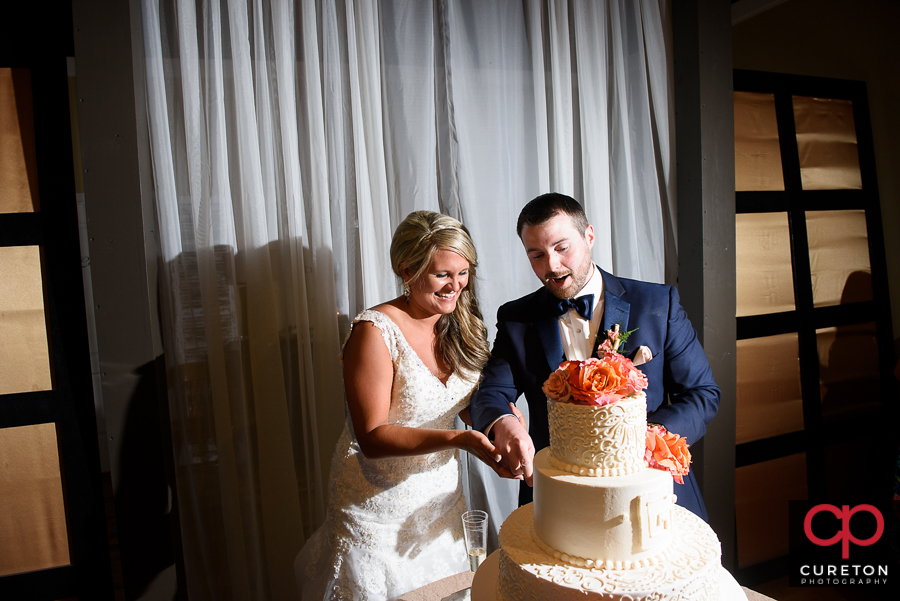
492,401
497,388
687,379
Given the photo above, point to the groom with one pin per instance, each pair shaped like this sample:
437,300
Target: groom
561,320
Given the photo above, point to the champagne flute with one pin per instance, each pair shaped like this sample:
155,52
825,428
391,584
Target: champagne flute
475,528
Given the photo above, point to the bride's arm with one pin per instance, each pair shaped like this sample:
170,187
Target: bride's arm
466,417
368,377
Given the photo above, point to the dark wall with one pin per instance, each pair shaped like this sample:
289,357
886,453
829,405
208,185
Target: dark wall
118,197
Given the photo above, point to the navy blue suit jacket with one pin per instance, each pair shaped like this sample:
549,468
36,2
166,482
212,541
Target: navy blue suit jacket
528,348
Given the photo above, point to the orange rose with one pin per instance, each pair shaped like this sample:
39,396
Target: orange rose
557,386
595,382
633,380
682,456
667,451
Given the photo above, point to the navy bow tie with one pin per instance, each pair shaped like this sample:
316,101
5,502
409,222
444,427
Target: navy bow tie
584,305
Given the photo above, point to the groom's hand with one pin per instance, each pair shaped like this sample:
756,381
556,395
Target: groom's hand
514,444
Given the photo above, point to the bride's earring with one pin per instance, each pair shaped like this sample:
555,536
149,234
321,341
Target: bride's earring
406,290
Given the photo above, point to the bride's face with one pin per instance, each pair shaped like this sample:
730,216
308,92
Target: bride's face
437,291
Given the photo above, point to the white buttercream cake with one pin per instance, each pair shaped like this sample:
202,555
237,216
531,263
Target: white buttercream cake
603,525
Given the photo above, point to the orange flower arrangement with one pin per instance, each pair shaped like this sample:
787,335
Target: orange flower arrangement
599,380
667,451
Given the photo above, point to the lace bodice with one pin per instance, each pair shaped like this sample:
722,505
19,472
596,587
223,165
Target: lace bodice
392,524
418,399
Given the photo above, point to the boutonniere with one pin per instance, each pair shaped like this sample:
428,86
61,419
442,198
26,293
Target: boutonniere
613,339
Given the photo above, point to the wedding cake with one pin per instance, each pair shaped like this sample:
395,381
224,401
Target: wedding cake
603,524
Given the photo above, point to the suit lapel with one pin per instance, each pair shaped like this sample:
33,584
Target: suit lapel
547,326
615,309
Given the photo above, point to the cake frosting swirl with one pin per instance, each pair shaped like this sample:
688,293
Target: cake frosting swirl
604,440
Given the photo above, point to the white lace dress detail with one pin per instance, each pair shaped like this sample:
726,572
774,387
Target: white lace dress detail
393,524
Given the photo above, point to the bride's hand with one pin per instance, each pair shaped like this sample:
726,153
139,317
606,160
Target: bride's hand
477,444
513,443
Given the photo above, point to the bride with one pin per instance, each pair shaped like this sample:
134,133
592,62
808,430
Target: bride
410,365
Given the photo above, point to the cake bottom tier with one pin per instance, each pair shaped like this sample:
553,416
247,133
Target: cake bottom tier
689,569
484,584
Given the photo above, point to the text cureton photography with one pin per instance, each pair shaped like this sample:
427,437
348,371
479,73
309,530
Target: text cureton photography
832,575
839,543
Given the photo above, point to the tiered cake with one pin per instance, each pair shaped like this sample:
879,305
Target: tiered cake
602,525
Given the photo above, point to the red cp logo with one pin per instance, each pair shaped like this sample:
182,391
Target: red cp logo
844,514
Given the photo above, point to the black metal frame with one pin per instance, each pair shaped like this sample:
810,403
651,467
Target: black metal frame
806,318
39,38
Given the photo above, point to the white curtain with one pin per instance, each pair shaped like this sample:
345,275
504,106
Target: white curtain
289,139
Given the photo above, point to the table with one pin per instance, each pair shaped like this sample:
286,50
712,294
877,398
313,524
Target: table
440,589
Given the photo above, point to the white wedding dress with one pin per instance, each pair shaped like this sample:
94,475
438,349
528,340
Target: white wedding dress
392,525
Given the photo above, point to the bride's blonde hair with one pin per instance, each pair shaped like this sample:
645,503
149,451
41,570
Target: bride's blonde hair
462,334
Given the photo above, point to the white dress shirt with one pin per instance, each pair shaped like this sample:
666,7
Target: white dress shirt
577,333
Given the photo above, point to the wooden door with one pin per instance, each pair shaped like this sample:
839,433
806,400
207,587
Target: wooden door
815,387
52,520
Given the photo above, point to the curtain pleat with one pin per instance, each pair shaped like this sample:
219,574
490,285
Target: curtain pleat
534,32
636,227
289,139
562,109
592,57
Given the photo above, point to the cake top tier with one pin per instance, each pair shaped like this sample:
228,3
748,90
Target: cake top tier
598,412
605,440
598,417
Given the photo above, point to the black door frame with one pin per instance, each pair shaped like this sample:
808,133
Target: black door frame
38,37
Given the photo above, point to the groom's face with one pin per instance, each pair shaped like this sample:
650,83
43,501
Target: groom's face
559,254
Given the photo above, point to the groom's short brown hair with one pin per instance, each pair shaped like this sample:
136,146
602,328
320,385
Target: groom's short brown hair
544,207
